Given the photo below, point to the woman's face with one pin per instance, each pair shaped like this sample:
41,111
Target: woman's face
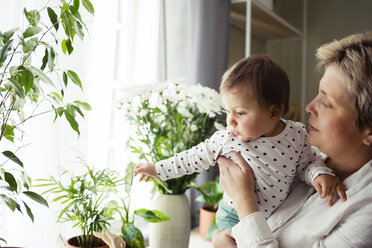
331,125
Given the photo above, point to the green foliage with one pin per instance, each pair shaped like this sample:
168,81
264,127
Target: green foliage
211,194
168,118
88,200
26,82
130,233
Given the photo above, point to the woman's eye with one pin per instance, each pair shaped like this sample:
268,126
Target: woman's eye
326,104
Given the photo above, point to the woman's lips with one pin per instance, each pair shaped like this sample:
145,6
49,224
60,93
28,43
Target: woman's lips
312,129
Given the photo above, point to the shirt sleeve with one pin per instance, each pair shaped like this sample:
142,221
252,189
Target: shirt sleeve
311,160
253,231
196,159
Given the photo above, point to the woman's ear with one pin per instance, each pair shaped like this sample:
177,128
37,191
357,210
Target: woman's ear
276,111
368,137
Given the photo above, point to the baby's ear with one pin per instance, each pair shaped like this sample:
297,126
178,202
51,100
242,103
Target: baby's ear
276,111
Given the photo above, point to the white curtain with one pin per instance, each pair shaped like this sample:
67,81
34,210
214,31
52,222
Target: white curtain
120,50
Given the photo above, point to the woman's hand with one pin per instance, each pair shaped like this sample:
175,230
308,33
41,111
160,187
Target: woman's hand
223,239
238,183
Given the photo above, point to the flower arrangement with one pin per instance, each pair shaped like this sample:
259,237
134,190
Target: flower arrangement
168,118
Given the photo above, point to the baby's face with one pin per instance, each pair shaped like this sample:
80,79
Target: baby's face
246,119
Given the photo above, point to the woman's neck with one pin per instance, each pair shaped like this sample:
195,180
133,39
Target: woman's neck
344,166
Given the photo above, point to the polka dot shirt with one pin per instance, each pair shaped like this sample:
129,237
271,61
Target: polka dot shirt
275,162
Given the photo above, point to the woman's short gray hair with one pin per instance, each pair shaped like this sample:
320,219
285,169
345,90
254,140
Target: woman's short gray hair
353,56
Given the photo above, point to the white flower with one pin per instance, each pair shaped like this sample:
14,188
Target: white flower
193,128
219,126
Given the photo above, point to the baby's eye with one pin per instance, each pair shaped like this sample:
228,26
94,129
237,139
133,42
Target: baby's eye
240,113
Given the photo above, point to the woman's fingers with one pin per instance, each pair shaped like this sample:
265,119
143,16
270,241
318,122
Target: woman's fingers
244,166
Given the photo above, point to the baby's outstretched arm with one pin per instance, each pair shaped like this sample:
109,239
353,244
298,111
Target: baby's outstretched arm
147,170
327,185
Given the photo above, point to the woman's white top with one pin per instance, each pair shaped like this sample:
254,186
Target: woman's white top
305,220
276,161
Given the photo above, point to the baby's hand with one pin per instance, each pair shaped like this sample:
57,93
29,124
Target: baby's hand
147,170
327,185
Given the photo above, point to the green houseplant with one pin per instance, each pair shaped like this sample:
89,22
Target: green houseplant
27,82
168,118
88,200
210,195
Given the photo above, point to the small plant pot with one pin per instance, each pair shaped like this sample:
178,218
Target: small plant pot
205,220
73,243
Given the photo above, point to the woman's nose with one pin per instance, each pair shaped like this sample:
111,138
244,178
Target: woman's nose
310,107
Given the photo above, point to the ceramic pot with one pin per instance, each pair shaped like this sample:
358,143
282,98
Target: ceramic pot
73,243
206,216
175,232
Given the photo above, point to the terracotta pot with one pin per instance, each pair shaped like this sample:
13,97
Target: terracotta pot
73,243
205,220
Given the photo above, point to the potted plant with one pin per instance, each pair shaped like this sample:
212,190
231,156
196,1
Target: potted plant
26,83
168,118
210,195
130,233
88,200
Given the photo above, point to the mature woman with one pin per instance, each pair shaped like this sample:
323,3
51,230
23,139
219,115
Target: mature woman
340,125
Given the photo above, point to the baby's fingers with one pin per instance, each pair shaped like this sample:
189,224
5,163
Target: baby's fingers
331,195
318,188
340,188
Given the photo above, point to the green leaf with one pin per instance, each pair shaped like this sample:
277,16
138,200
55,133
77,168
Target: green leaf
84,105
65,78
12,204
4,51
13,157
51,57
31,31
132,235
29,212
42,76
9,133
88,6
8,34
9,178
36,197
75,78
3,240
17,87
71,119
53,18
30,45
33,16
79,30
151,215
57,96
68,21
67,46
45,59
76,6
26,79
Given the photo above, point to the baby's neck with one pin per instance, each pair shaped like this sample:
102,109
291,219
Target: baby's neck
278,127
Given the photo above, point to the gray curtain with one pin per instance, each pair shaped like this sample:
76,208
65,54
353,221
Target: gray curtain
194,46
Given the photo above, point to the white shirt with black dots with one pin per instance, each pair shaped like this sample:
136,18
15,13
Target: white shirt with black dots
275,162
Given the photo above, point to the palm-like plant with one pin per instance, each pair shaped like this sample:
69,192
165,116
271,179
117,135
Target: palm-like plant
88,200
